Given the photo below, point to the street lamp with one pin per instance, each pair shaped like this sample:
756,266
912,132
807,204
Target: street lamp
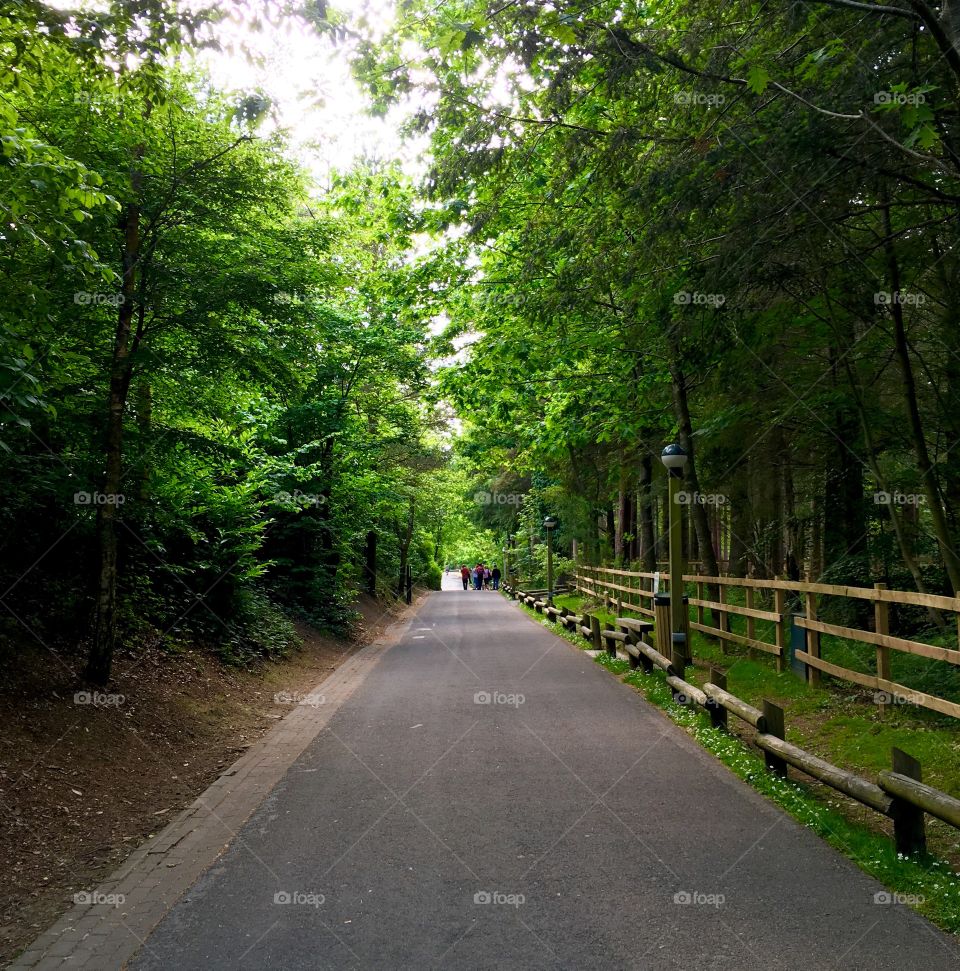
506,573
675,459
549,524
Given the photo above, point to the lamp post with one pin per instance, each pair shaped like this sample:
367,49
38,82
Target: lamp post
506,574
675,460
549,524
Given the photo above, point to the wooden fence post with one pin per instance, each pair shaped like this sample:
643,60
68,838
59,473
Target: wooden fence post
780,631
595,635
678,658
881,622
661,620
723,623
632,642
909,830
813,640
718,714
700,611
611,643
773,716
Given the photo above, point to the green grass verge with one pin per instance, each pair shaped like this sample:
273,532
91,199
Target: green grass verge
837,721
927,878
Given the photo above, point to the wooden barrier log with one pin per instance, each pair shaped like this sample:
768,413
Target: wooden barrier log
685,693
732,703
655,657
922,796
837,778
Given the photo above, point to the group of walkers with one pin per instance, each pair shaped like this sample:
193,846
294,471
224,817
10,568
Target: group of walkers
481,577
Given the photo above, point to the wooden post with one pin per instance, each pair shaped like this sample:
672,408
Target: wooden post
632,642
661,619
881,622
700,613
718,714
780,630
611,643
678,659
773,715
751,622
595,633
721,619
909,830
813,640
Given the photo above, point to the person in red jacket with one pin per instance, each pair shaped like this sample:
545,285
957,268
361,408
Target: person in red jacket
465,576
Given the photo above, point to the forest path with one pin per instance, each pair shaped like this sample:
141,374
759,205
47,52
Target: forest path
489,797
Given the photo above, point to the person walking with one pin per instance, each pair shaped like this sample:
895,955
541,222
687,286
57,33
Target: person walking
465,575
478,576
486,578
495,577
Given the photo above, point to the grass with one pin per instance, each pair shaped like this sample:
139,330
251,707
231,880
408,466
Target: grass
827,722
838,721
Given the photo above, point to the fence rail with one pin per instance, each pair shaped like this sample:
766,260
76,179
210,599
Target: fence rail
899,795
617,588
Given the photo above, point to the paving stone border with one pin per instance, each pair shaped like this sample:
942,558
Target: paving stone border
105,935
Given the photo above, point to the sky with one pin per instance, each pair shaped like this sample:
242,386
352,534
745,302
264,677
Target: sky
314,95
307,78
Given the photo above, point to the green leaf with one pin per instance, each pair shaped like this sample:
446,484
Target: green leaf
757,79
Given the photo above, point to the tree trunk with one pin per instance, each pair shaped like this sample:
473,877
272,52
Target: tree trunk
681,408
405,539
928,474
648,543
681,411
844,531
144,427
623,517
100,658
741,527
896,519
775,473
370,564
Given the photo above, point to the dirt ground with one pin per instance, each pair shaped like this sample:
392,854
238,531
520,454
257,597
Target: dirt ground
83,784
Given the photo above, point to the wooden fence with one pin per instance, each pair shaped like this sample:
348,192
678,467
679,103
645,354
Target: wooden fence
900,794
634,591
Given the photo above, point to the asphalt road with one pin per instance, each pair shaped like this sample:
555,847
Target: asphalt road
490,797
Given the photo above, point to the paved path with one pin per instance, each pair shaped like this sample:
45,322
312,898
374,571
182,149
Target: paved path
489,797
